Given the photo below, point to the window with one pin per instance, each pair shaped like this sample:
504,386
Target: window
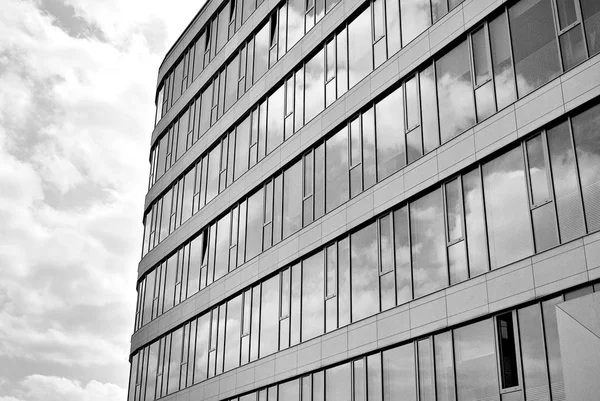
402,253
429,110
336,172
223,27
342,62
444,366
586,130
261,53
416,18
475,356
457,252
232,79
507,352
502,64
536,60
426,376
292,199
482,69
535,374
275,115
202,344
307,192
390,139
399,375
254,224
330,69
331,282
566,187
543,216
590,10
232,333
242,143
314,85
365,294
509,229
455,93
269,316
338,382
475,223
572,43
414,140
557,383
379,41
360,58
312,296
295,22
428,244
392,23
387,283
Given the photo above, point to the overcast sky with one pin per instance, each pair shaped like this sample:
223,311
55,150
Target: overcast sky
77,84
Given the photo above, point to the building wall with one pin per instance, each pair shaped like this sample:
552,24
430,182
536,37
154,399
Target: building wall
524,271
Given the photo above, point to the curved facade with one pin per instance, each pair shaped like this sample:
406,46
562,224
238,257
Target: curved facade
377,200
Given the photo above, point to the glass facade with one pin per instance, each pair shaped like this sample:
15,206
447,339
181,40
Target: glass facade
247,202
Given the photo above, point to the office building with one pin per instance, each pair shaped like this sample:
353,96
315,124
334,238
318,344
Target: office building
375,200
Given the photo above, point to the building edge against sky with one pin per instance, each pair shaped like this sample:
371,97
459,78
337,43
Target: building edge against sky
374,200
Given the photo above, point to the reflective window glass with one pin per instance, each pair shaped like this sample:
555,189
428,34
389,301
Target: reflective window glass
536,59
392,22
557,382
313,296
202,335
214,164
533,355
399,377
444,366
233,331
455,92
261,52
336,172
439,8
416,17
429,110
292,199
222,246
368,148
428,244
290,390
426,379
314,85
590,10
506,206
365,292
566,188
475,354
586,130
338,383
269,316
360,58
475,223
232,81
275,119
242,142
389,114
403,267
295,22
344,281
254,225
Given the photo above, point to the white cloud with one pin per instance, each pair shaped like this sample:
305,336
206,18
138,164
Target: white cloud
76,114
51,388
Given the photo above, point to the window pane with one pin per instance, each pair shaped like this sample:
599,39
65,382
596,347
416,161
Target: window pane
359,388
292,199
232,81
557,384
242,142
533,354
147,311
536,59
590,10
429,110
475,223
312,296
439,8
454,208
319,191
586,130
223,27
342,62
572,47
444,367
365,292
416,18
507,209
175,360
537,170
212,185
564,176
336,172
202,334
455,92
261,52
254,225
426,380
344,281
360,58
275,120
566,12
386,243
314,86
480,57
233,331
428,244
392,21
507,349
338,382
389,114
171,270
222,246
368,148
290,390
402,243
475,354
295,22
399,376
151,375
269,316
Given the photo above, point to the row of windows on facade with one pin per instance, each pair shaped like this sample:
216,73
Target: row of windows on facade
279,33
531,198
514,355
465,91
395,131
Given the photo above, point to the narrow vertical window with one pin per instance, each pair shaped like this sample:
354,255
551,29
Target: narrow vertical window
387,285
484,88
507,351
457,252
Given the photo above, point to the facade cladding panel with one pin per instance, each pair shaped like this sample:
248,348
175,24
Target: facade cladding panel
370,200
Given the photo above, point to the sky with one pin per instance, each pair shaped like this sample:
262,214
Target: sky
77,86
